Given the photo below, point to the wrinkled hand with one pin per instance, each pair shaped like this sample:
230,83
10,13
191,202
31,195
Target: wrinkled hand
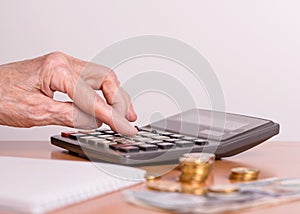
27,89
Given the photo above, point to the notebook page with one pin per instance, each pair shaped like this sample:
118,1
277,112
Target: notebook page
38,185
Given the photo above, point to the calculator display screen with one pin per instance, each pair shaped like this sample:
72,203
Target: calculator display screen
209,124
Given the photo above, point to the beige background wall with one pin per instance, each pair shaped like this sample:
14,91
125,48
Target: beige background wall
252,45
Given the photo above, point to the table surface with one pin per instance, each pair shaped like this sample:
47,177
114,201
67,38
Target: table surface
273,159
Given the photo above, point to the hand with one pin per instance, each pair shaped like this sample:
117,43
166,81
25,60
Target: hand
27,89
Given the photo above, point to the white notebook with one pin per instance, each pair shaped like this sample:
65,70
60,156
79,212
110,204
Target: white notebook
39,185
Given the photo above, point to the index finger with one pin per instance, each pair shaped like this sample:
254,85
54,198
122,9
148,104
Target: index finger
89,101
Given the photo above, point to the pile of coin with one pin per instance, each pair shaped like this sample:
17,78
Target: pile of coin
165,186
223,189
173,186
243,174
195,167
195,189
194,170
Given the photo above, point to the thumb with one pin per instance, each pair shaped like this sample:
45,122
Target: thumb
68,114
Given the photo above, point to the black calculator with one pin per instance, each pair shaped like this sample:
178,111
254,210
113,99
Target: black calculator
164,141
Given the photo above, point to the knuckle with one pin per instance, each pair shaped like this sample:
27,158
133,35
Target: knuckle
112,77
55,60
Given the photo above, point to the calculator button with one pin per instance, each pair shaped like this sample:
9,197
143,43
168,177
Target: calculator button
166,145
99,142
93,133
115,139
170,140
133,143
148,147
144,139
189,138
154,142
143,133
67,134
165,133
76,136
184,143
103,144
147,134
128,149
106,136
85,139
200,142
116,146
121,140
179,136
135,138
159,137
109,132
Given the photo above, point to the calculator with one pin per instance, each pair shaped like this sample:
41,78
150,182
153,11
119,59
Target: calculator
164,141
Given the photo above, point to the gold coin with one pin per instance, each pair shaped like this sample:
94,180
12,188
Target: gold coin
165,186
192,165
245,177
192,179
193,189
152,176
194,161
223,189
244,170
191,170
195,167
243,174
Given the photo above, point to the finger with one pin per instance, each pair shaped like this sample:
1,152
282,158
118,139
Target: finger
132,116
68,114
117,97
93,74
115,120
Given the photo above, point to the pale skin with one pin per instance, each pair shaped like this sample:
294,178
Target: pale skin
27,89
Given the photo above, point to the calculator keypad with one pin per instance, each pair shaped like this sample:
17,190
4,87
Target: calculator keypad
144,141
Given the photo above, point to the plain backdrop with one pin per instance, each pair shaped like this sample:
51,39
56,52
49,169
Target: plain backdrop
252,45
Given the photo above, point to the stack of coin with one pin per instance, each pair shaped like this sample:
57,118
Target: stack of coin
195,189
195,167
173,186
243,174
164,186
223,189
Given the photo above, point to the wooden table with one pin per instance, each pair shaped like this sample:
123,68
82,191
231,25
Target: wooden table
274,159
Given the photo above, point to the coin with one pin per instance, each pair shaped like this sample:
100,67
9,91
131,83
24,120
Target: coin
243,170
166,186
192,178
195,167
243,174
193,189
152,176
223,189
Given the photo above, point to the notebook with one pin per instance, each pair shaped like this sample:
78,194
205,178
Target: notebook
39,185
